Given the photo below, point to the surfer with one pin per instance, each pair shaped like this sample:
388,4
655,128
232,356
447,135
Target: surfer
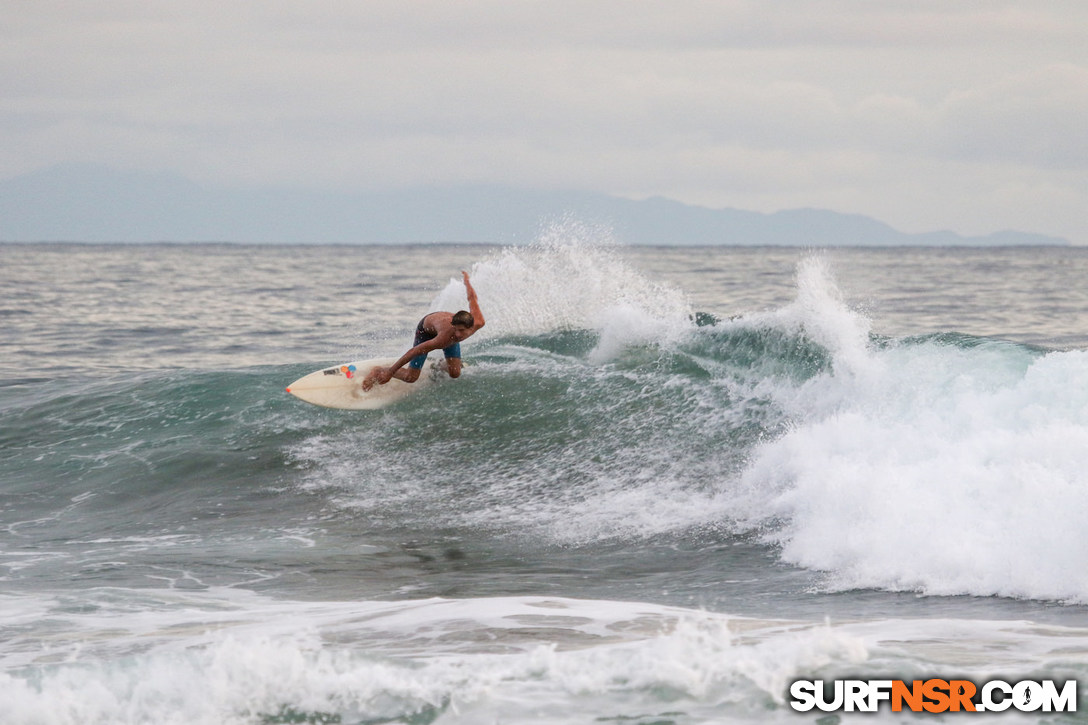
436,331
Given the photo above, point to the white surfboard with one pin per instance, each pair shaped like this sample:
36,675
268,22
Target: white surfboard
341,386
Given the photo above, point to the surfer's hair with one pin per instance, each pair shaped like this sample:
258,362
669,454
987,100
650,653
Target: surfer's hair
464,318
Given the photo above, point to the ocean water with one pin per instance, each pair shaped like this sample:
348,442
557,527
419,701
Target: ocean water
669,483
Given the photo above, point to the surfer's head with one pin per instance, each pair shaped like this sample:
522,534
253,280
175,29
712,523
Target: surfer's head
463,319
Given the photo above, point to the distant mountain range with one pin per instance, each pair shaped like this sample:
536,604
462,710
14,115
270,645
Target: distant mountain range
90,203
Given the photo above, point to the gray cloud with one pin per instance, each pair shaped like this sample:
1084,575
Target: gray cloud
887,108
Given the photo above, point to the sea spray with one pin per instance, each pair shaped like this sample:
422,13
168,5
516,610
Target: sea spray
571,279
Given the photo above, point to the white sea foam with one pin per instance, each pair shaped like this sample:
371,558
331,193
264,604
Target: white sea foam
941,468
231,657
234,657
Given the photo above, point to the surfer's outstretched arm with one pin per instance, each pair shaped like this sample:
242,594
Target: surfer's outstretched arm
384,375
473,303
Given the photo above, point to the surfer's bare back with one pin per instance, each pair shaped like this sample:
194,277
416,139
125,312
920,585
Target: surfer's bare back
437,331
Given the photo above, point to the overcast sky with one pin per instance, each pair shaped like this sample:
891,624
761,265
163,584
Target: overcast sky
927,114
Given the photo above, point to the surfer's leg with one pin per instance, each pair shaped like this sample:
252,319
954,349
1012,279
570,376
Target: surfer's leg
453,359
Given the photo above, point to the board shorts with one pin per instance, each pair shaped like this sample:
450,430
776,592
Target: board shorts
422,335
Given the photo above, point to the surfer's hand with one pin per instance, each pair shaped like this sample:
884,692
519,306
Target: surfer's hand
375,376
464,275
